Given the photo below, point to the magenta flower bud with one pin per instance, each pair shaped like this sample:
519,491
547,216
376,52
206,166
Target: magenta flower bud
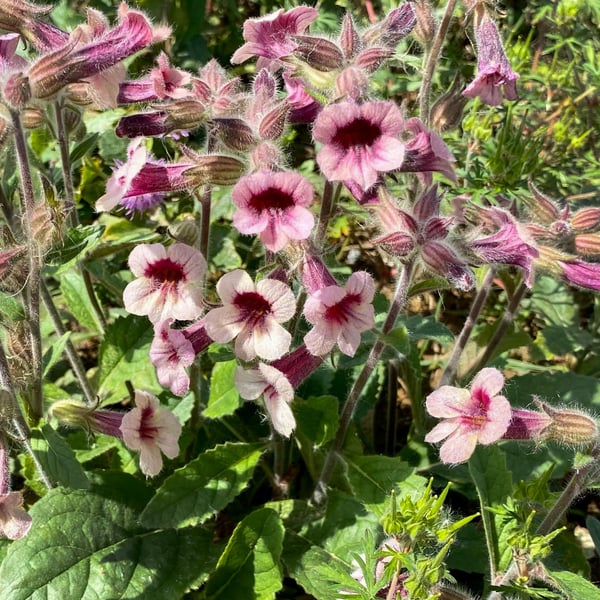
397,25
494,73
315,275
349,39
319,53
272,124
527,425
372,58
16,92
581,273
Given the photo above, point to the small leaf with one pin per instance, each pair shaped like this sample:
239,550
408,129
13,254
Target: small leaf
84,147
203,487
575,586
75,243
54,354
249,566
57,458
224,398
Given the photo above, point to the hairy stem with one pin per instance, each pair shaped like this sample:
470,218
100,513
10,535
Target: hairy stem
478,303
327,204
205,202
65,162
432,59
320,492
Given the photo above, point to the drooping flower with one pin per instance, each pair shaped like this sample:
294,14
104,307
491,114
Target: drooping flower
340,314
359,141
252,314
150,429
272,37
470,416
169,282
494,73
276,384
172,350
273,205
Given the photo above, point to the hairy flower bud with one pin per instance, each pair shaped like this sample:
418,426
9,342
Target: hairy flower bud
587,244
76,414
586,219
16,91
186,232
425,27
447,111
215,169
319,53
349,39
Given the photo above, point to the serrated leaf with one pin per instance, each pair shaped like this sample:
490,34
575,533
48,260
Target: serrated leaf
123,356
203,487
224,398
57,458
575,586
249,566
54,353
374,477
82,545
75,243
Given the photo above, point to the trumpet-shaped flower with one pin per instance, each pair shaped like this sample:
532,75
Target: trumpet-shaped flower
340,314
470,416
169,282
359,141
150,429
252,313
273,205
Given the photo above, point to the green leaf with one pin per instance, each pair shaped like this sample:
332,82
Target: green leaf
76,242
494,484
374,477
593,526
78,301
224,398
553,301
82,545
123,356
85,146
57,458
11,309
54,353
249,566
575,586
203,487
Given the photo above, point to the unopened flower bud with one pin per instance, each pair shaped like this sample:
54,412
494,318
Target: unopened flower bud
42,226
541,206
397,25
425,26
372,58
186,232
76,414
588,244
215,169
32,117
352,82
447,111
17,92
80,94
569,427
273,123
586,219
349,39
235,133
319,53
266,155
13,268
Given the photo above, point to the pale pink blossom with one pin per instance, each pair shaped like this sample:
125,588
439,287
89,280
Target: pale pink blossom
340,314
360,141
150,429
276,390
272,37
273,205
470,416
252,314
169,282
14,521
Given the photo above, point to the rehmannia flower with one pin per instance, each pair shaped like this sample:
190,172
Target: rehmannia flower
252,315
470,416
169,282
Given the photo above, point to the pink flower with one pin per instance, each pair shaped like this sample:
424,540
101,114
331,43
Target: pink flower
340,314
581,273
150,429
275,206
494,72
478,414
272,37
14,521
169,284
277,393
172,350
359,141
252,314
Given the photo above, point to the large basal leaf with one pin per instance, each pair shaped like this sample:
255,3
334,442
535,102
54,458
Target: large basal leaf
249,567
224,398
203,487
575,586
82,545
123,355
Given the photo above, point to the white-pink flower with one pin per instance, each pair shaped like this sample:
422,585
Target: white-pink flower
276,390
340,314
169,282
475,415
359,141
150,429
252,314
273,205
14,521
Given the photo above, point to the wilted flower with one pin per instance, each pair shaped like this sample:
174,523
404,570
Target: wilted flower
273,205
14,521
150,429
359,141
252,314
169,282
470,416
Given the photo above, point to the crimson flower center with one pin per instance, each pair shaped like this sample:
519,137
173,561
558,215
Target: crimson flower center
253,307
165,271
360,132
339,312
480,400
271,200
148,431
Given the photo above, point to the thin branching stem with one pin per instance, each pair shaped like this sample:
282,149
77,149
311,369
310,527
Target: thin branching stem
65,161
